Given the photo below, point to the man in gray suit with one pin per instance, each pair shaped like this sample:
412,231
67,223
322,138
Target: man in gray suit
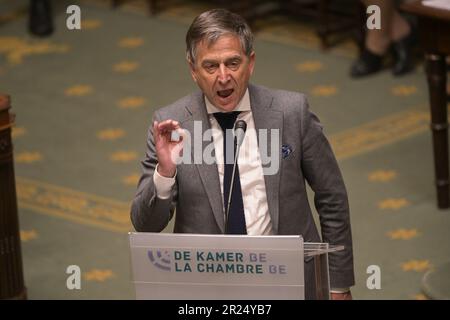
265,200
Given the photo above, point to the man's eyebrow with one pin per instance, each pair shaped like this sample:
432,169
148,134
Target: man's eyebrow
212,61
209,61
236,57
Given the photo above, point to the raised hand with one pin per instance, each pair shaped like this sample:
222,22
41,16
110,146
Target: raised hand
167,150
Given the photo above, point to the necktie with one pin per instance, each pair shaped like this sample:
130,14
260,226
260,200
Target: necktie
236,217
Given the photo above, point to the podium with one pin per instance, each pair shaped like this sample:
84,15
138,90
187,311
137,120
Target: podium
226,267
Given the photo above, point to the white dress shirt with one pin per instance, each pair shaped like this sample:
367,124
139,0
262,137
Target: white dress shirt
253,187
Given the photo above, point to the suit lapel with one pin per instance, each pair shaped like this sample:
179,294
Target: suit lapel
209,173
267,118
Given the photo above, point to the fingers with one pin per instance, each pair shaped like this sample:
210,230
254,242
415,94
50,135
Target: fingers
164,128
170,129
168,126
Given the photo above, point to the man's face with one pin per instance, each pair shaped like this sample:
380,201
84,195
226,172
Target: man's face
222,71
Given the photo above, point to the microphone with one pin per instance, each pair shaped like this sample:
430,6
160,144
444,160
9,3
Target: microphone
239,133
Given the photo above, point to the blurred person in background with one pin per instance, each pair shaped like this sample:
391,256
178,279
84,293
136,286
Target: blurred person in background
396,37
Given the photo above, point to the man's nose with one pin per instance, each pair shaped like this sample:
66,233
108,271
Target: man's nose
224,76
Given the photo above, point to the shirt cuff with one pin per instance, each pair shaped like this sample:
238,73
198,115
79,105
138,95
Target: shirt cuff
163,185
339,290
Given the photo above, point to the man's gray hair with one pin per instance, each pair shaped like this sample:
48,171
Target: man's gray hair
213,24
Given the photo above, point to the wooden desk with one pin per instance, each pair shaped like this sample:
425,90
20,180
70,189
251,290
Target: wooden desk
11,270
434,29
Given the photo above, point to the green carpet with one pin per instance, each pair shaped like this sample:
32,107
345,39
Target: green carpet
84,100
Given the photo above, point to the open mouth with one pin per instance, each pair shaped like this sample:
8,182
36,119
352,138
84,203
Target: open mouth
225,93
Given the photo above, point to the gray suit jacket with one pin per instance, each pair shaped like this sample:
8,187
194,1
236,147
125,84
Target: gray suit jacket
196,195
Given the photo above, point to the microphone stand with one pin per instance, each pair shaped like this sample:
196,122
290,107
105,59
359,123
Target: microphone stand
232,184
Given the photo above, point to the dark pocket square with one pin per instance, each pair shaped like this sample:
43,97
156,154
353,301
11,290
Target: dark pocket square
286,150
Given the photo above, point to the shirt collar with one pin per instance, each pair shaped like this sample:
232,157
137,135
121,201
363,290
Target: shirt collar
243,105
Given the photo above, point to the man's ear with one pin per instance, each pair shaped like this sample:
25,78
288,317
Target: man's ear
192,70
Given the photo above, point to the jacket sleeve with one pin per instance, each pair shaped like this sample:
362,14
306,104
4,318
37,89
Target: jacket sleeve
321,170
148,212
